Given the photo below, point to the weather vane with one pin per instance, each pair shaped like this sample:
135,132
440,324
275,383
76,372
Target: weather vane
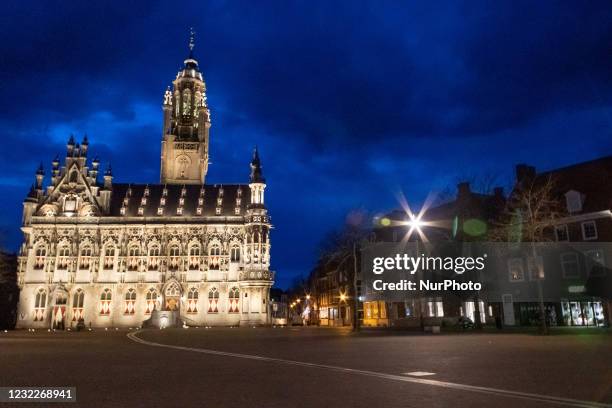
191,39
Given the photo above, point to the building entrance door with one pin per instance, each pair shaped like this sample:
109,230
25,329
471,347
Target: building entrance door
172,297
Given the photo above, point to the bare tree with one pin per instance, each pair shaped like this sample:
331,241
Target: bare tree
532,211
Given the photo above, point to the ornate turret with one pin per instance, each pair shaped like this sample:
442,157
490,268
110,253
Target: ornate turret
108,177
70,146
256,172
257,182
40,174
184,158
84,146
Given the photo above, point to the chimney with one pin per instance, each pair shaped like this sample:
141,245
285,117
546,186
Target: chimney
463,190
524,172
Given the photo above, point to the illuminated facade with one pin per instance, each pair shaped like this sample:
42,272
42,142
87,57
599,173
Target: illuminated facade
122,255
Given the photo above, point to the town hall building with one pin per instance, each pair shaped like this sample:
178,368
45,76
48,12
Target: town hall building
102,254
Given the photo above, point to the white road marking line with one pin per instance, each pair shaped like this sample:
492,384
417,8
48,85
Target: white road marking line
419,373
443,384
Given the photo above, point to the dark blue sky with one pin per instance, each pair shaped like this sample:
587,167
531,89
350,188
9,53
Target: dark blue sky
348,102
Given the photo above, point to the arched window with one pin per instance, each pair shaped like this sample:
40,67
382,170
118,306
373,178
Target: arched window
40,255
234,297
177,103
40,305
109,256
213,300
130,302
235,253
105,302
133,258
85,257
175,258
154,257
182,162
194,257
186,102
192,301
151,301
63,257
214,257
78,300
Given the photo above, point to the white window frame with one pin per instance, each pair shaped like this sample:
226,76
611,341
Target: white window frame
533,265
563,228
564,262
516,262
584,237
592,261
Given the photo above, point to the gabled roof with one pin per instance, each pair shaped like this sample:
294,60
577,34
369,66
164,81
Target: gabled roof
592,179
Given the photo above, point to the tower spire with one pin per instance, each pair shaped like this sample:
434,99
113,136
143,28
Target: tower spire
256,172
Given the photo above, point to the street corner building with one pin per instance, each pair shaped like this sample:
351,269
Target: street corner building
182,252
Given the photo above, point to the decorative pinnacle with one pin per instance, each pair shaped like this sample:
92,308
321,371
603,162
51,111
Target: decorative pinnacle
40,171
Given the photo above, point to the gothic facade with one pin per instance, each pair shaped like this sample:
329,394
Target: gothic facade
105,254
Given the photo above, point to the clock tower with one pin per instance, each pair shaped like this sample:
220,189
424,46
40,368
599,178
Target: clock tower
184,147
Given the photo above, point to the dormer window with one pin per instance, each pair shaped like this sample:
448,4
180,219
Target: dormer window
200,201
183,192
179,211
162,201
199,211
122,211
239,192
164,192
238,201
143,201
218,210
129,192
160,211
201,192
140,210
146,192
126,201
573,199
181,201
221,192
219,201
237,210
